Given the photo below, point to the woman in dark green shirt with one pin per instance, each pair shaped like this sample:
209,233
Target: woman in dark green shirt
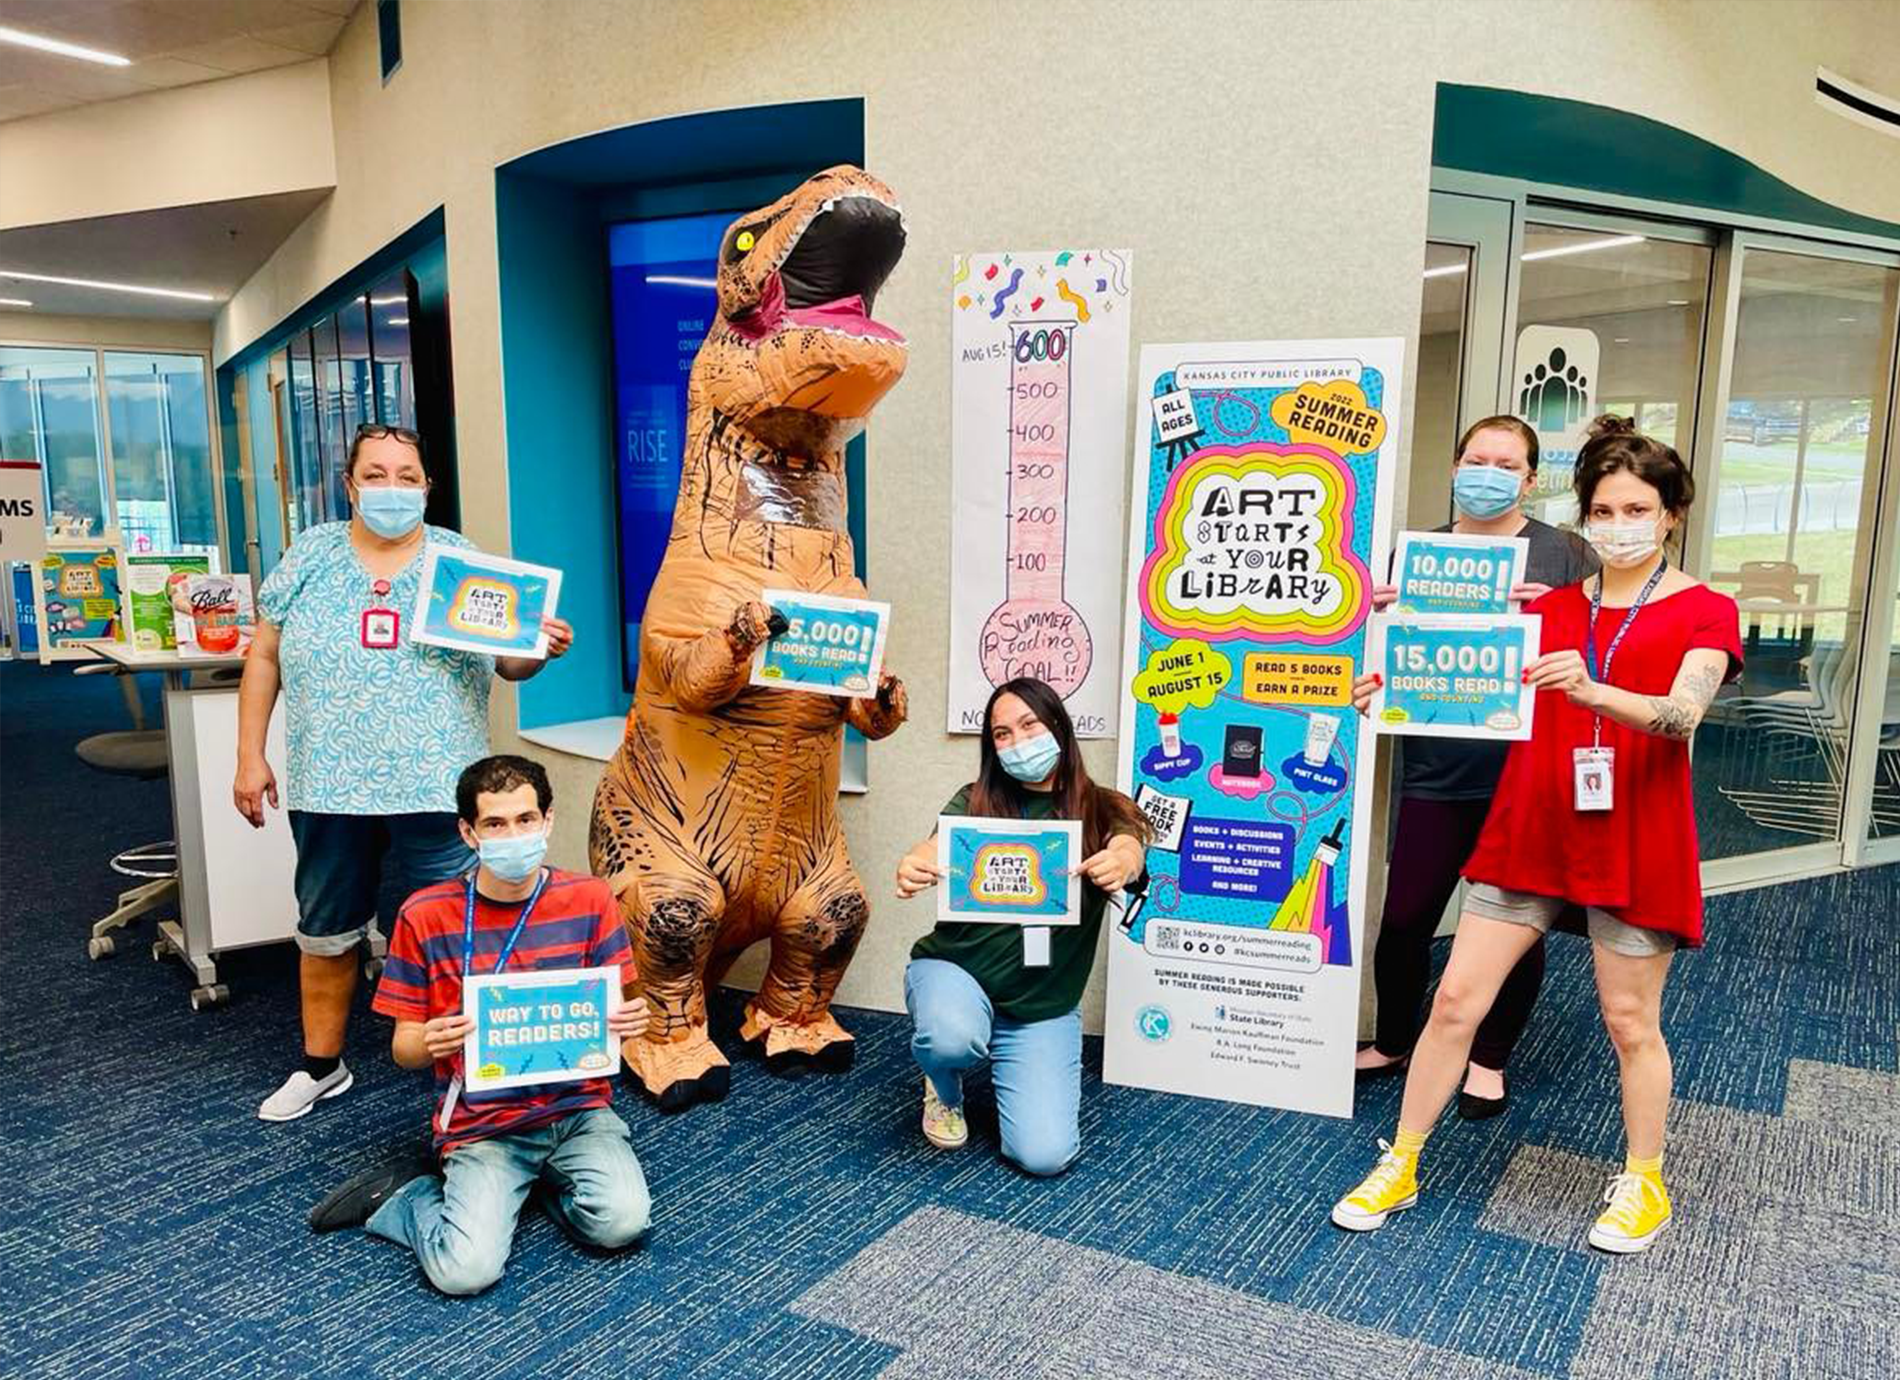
970,992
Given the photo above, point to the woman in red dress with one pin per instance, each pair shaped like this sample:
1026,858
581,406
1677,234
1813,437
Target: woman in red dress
1631,659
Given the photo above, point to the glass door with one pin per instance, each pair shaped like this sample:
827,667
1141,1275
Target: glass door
1467,283
1610,319
1787,522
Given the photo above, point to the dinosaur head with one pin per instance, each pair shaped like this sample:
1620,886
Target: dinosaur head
795,356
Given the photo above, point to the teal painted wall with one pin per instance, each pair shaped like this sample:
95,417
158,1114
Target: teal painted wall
558,404
1569,143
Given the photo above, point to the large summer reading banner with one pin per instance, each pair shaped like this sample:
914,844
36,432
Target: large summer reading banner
1260,508
1039,407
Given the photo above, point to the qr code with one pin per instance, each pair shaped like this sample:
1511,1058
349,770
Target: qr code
1168,939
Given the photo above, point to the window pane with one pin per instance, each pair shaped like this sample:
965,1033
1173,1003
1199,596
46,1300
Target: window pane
353,362
161,451
1606,322
1793,508
1441,347
309,505
330,414
49,411
389,343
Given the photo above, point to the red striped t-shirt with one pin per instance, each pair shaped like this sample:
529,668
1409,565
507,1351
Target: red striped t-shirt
575,925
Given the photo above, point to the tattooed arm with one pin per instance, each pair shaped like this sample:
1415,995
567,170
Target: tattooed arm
1675,715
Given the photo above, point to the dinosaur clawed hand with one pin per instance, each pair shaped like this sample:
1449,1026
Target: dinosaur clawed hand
883,714
752,622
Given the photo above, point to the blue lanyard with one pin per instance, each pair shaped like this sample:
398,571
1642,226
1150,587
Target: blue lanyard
1596,607
521,923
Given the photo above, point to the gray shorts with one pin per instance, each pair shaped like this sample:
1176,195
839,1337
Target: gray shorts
1541,912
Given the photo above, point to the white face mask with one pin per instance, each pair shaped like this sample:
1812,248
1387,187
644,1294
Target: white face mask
1625,543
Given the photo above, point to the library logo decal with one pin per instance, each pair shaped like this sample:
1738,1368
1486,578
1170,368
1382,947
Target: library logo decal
1557,393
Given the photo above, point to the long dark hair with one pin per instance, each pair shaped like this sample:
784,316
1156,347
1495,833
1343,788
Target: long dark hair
1104,812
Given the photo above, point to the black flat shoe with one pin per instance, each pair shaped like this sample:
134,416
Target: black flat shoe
1483,1108
1384,1070
356,1201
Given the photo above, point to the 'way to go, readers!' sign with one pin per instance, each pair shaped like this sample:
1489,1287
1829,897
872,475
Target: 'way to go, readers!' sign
539,1027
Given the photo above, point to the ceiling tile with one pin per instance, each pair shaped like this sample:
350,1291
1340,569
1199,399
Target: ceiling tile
240,54
169,71
314,37
230,16
130,28
85,82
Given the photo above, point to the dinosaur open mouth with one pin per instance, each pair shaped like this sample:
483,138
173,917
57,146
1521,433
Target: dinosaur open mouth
838,264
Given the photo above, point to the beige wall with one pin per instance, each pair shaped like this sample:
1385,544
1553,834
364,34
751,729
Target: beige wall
252,135
1267,160
133,332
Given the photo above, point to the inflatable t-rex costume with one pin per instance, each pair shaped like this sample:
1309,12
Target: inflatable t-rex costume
716,822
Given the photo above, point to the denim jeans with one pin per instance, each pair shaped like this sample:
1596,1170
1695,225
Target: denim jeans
1036,1066
462,1226
341,860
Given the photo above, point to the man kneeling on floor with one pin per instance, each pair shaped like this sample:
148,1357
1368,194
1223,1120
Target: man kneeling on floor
560,1138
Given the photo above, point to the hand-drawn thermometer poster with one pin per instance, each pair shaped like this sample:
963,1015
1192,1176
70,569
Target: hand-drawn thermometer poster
1039,418
1261,504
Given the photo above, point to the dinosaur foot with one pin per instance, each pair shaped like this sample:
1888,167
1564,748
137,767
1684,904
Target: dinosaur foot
681,1074
793,1050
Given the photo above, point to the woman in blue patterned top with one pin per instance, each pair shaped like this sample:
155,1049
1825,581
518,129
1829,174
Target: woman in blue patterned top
377,729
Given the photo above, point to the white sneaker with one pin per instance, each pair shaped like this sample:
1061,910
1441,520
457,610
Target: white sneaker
301,1092
944,1127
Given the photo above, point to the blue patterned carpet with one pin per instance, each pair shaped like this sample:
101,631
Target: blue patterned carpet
154,1228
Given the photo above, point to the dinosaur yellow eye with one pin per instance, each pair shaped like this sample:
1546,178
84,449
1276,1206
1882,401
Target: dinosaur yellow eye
746,240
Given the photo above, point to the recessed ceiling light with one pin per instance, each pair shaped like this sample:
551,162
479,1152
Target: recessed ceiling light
1620,340
1444,271
108,287
395,321
1614,242
1678,301
14,302
54,45
389,301
1847,320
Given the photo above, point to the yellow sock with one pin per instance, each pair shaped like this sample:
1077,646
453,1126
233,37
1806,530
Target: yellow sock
1406,1144
1649,1169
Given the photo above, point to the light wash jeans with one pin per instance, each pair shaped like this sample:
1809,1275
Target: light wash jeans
462,1226
1036,1066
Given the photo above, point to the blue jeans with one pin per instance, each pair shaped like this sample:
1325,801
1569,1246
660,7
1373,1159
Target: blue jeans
462,1226
340,860
1036,1066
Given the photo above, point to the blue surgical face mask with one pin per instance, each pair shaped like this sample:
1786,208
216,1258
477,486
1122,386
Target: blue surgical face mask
1485,491
390,510
1031,759
514,857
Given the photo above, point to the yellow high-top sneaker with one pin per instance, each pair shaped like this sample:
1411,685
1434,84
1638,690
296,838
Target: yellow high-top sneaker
1391,1187
1638,1211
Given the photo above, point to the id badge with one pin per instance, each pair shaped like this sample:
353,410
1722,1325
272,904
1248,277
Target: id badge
449,1100
382,629
1595,773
